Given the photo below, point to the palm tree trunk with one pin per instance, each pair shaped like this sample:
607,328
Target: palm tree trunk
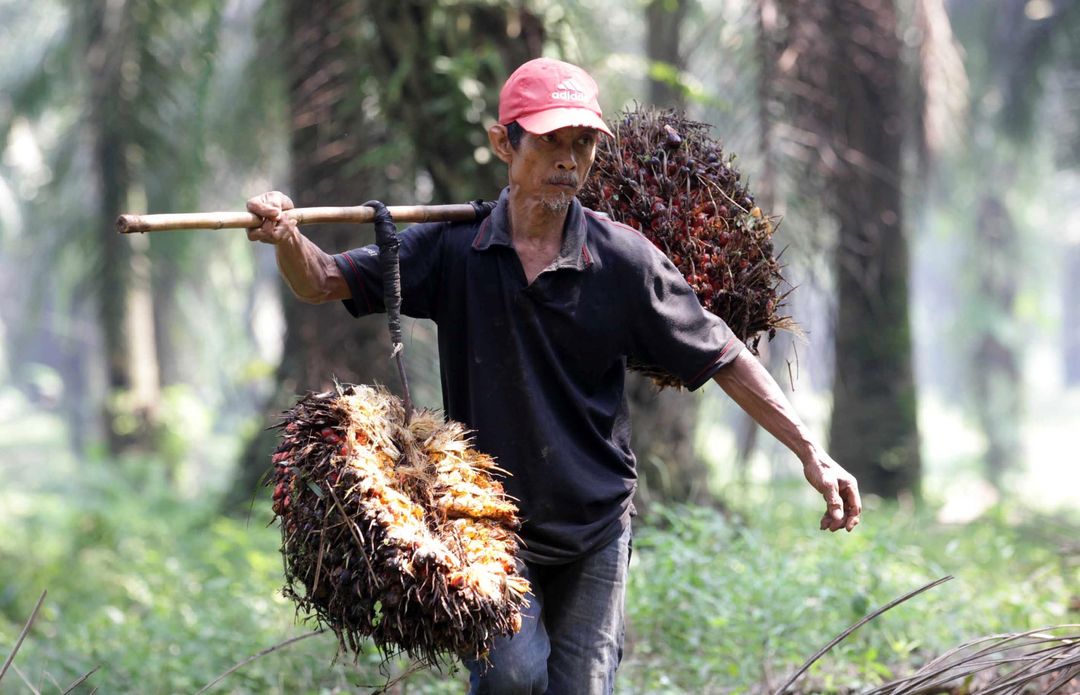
747,431
1071,320
330,134
996,365
669,469
663,48
123,278
873,431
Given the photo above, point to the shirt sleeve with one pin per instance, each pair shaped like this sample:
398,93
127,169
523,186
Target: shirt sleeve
420,253
673,331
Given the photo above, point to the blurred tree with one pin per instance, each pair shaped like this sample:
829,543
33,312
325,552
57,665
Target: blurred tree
109,77
443,64
1034,44
1071,319
840,62
669,470
130,55
992,265
1014,45
40,80
765,185
664,20
995,354
341,153
123,292
874,429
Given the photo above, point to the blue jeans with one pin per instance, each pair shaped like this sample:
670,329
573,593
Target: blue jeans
571,633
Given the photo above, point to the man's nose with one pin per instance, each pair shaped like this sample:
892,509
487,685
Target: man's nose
567,161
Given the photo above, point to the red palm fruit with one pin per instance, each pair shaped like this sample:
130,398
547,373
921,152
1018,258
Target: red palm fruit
708,216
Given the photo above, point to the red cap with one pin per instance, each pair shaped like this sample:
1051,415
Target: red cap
544,95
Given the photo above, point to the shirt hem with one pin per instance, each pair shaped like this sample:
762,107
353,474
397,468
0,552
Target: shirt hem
553,556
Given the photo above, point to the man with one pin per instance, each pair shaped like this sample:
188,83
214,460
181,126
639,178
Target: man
538,306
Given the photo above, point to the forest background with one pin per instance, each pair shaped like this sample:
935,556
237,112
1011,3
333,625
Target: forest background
921,153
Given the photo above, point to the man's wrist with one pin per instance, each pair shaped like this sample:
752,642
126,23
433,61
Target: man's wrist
292,239
809,454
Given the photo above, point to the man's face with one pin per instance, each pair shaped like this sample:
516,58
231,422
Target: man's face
549,168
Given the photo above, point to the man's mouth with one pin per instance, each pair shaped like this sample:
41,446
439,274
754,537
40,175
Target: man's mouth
568,181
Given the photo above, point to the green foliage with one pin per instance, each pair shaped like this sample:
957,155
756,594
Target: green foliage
158,591
438,68
146,581
165,596
737,604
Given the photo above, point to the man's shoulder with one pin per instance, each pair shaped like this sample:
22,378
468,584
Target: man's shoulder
618,241
448,234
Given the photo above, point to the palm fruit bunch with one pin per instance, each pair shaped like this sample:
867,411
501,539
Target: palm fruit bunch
666,177
394,529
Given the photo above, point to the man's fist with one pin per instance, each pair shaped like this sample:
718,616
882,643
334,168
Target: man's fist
275,227
840,490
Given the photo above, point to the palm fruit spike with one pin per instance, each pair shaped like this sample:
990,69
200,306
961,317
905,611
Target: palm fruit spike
664,176
394,531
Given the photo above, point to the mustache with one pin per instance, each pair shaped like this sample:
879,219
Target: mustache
564,180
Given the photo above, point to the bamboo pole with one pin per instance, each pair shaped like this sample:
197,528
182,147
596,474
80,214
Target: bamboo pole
359,214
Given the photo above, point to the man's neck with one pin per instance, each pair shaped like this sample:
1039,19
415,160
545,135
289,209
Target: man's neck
536,232
534,224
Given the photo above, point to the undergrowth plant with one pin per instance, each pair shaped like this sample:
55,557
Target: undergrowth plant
734,606
165,595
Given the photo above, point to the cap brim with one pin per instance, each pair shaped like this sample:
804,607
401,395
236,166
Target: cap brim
543,122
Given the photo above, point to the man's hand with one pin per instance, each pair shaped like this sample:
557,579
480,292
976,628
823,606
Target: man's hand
838,487
275,227
311,274
751,386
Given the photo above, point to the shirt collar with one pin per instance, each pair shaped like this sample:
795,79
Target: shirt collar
495,231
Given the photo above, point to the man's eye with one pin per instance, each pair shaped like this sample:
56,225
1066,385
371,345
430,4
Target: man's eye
547,137
587,139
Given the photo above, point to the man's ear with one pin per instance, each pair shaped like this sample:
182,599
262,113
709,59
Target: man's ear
500,142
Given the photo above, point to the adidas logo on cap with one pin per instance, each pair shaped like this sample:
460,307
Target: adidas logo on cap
569,91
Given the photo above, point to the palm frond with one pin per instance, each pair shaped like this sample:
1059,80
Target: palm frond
1006,664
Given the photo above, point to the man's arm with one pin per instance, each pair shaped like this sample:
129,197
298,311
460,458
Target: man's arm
310,272
751,386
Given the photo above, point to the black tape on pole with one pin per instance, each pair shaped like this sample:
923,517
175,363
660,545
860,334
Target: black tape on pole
387,240
482,208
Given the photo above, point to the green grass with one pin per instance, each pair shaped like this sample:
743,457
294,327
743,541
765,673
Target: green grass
160,592
725,607
164,595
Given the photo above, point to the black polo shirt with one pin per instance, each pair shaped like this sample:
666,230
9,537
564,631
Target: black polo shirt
537,370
